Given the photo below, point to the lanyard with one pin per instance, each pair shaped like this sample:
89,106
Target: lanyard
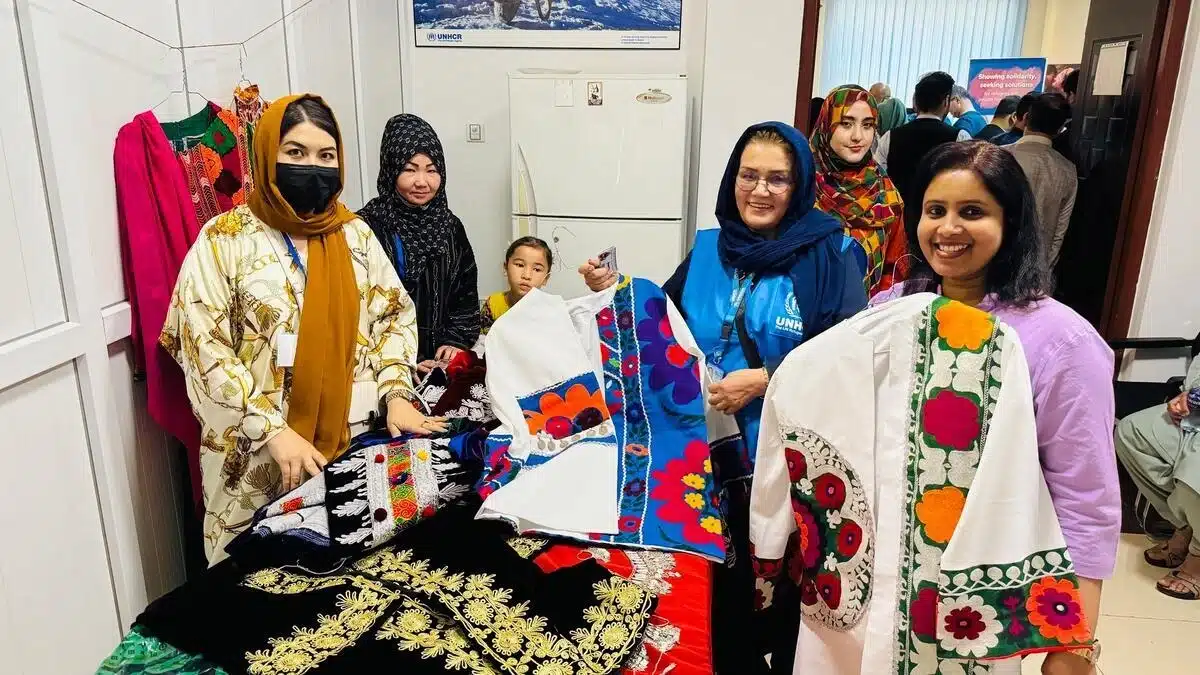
737,307
295,255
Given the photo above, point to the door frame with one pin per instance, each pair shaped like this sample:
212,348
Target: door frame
807,75
1145,163
1166,48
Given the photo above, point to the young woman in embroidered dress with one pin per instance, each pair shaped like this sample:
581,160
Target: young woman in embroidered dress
285,309
777,272
527,264
975,239
853,188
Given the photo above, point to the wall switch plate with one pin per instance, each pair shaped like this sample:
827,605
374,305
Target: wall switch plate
474,133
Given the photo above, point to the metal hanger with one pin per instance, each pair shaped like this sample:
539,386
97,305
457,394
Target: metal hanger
242,82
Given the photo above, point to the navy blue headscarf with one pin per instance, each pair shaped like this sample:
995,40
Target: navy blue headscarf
808,242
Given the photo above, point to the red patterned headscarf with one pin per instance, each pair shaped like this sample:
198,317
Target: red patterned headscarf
860,195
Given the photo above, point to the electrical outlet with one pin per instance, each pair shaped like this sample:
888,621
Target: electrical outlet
474,133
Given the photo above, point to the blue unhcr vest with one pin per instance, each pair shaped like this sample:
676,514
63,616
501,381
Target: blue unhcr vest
771,318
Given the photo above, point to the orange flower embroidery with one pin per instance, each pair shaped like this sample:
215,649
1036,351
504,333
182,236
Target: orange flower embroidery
556,410
1054,607
210,161
964,327
939,511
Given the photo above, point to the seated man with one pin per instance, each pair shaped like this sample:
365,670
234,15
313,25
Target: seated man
1164,462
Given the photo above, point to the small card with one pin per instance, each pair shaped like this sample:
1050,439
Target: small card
285,350
608,259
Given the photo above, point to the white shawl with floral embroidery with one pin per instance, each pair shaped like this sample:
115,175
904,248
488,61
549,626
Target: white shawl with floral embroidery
898,480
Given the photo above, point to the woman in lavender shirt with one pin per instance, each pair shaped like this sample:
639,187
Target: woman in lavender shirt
975,239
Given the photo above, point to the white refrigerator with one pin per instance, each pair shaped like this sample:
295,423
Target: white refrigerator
600,161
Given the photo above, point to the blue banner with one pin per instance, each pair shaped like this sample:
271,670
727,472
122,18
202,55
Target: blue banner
989,80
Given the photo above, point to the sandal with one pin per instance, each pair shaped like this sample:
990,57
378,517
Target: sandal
1162,556
1191,583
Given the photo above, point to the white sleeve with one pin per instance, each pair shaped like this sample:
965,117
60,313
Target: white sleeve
881,150
963,135
771,521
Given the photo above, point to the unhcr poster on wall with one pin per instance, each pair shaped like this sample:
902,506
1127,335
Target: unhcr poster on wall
549,24
990,80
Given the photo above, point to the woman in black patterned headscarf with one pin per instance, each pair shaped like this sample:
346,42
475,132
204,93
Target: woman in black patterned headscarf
425,241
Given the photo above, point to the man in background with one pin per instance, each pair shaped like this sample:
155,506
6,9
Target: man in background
1051,175
1019,119
1002,119
1062,142
963,109
901,149
880,91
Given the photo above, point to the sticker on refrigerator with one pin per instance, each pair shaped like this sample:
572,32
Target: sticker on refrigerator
595,93
653,96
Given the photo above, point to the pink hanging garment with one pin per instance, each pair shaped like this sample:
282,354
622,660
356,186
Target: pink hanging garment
158,225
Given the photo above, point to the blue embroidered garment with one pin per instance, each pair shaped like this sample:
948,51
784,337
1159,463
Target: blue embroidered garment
648,412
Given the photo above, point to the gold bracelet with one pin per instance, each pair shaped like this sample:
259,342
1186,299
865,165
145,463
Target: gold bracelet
398,393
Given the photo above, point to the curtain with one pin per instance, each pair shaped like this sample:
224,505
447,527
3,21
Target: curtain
898,41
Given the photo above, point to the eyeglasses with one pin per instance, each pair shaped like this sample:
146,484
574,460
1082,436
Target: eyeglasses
777,183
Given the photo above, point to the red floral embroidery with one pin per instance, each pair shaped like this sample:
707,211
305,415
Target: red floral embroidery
829,586
829,491
293,504
952,420
605,317
965,623
808,535
808,592
923,613
676,483
797,467
849,539
1055,609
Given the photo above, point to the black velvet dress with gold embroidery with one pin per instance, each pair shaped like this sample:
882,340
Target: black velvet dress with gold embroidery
448,595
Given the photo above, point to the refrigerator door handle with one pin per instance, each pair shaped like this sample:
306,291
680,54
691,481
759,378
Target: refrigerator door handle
526,200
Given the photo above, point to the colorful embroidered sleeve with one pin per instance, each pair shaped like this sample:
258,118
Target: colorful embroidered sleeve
391,345
225,395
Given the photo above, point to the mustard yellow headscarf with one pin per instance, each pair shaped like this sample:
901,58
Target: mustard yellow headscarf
319,403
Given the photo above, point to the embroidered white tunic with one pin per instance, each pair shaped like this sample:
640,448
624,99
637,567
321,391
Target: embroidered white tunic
898,471
602,413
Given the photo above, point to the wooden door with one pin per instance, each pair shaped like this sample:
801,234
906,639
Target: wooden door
1109,134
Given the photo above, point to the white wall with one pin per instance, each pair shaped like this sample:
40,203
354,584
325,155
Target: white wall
452,87
1056,29
750,76
1167,303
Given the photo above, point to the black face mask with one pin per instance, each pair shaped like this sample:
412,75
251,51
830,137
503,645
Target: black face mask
307,188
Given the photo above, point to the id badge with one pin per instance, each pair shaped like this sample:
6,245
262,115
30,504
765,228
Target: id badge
715,372
285,350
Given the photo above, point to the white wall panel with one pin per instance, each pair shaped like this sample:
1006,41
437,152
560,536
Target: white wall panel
319,48
32,296
57,597
145,467
95,76
379,80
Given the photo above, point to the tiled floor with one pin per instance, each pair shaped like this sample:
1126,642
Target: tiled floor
1143,631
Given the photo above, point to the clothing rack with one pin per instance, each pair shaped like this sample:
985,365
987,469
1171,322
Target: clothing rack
182,48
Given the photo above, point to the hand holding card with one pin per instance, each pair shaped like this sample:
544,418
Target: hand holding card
608,259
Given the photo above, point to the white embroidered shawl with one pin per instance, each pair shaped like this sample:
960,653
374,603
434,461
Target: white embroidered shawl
899,457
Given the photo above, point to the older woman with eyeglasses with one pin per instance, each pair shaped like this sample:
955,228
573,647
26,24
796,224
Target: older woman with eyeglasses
776,273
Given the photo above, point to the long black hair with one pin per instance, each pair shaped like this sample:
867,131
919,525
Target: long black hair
1018,274
310,110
